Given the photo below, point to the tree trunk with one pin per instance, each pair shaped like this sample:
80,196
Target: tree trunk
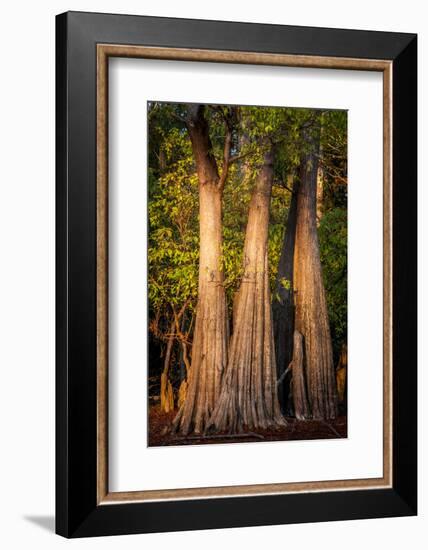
320,194
298,381
311,315
183,373
248,396
166,393
283,303
210,338
341,374
320,188
182,392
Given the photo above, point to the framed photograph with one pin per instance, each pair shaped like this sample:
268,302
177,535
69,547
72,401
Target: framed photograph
236,274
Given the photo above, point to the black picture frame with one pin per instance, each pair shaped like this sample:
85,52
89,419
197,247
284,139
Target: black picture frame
77,511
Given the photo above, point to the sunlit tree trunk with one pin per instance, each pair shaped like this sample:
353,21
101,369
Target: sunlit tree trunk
320,189
166,393
283,303
311,315
341,374
248,397
210,338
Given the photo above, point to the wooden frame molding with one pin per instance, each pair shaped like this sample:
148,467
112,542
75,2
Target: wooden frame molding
104,52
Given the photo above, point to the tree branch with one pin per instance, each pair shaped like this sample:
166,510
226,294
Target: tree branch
235,158
281,183
226,156
284,374
179,118
228,121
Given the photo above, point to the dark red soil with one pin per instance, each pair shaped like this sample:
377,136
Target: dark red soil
295,430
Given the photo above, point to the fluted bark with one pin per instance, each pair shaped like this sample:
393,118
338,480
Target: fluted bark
311,315
210,338
248,397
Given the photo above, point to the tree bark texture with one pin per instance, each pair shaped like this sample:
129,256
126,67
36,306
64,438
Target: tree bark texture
298,380
210,338
248,396
341,374
283,303
166,392
311,315
320,193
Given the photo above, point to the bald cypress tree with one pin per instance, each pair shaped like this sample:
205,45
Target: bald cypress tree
210,338
249,397
311,315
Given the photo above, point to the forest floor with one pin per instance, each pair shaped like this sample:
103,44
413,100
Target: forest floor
294,431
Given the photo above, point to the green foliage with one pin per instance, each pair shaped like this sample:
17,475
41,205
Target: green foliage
280,203
173,228
333,251
286,283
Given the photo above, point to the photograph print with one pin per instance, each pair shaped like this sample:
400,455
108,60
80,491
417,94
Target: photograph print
247,274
